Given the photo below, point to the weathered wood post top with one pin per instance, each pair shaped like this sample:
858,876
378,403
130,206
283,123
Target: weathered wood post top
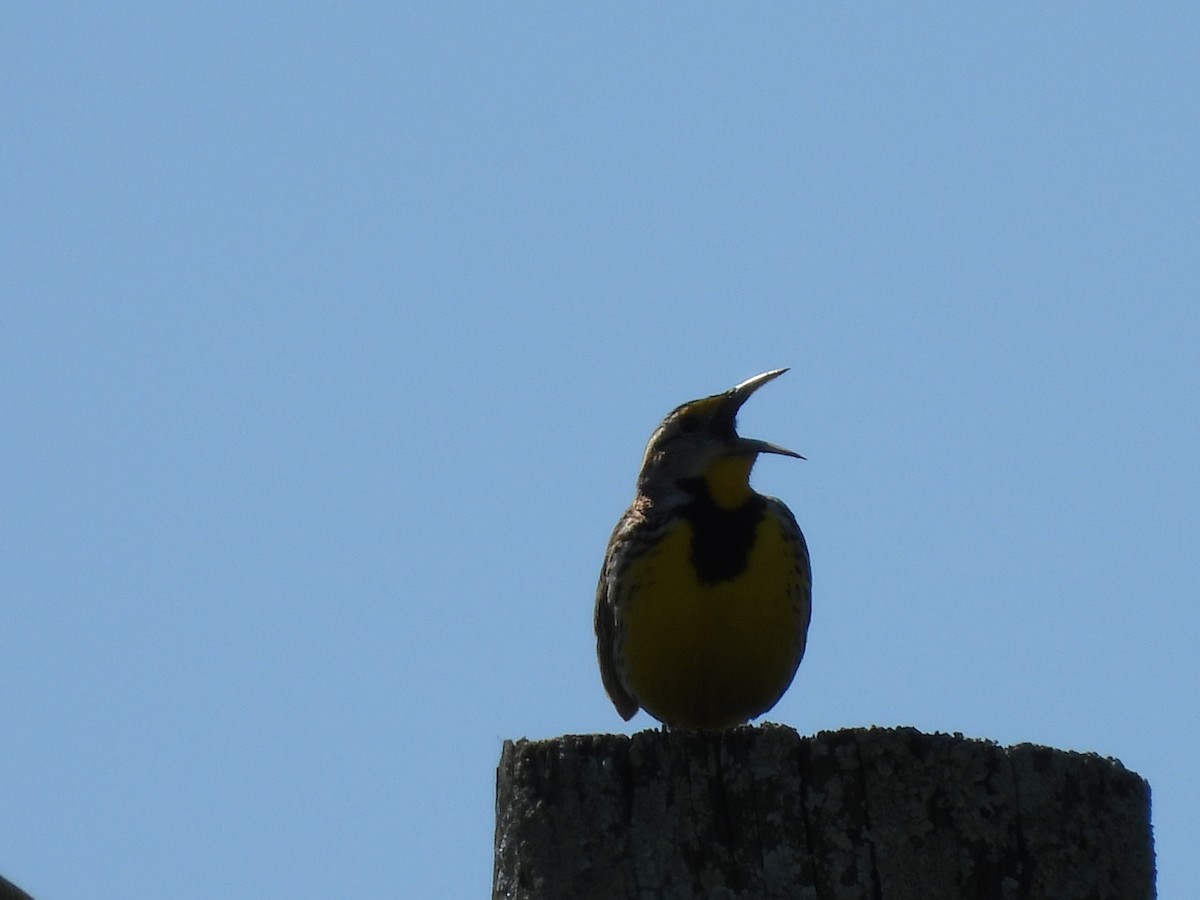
761,812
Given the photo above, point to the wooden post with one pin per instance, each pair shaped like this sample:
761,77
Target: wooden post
885,814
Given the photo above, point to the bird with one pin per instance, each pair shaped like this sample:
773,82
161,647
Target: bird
704,599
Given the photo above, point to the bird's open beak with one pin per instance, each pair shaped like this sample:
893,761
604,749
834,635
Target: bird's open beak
735,397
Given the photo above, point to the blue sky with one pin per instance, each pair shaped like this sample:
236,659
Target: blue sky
330,338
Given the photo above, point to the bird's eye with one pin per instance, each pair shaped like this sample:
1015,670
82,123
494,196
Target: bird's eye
688,424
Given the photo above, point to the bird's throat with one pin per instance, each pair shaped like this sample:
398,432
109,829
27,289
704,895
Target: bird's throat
728,481
724,515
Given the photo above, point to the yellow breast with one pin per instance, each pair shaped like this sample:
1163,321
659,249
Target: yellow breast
708,656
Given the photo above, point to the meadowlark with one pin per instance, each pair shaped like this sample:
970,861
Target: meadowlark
703,605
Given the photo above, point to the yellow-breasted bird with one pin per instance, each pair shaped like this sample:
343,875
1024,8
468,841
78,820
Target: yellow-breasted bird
703,605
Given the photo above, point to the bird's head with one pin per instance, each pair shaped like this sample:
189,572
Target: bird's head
698,443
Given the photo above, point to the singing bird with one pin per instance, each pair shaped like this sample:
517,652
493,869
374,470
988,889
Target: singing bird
704,600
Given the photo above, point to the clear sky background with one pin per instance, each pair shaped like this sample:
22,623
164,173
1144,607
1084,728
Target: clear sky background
331,336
